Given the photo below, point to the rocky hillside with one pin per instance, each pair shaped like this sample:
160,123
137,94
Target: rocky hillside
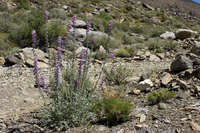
182,8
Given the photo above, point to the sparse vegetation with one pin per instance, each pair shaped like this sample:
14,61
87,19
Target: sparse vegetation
160,96
115,110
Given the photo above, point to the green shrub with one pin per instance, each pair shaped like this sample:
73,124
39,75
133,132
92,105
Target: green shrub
132,50
157,31
57,13
155,46
122,52
115,110
22,36
25,4
160,96
126,39
99,55
125,26
117,75
5,21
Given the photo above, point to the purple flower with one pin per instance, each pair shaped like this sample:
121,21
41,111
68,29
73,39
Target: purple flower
69,26
81,61
110,25
102,81
59,41
35,70
112,56
88,27
44,87
56,76
46,15
34,38
75,83
74,19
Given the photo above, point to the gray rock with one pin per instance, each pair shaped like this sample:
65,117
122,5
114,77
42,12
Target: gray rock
102,49
80,24
148,6
181,63
166,79
154,58
196,49
80,34
168,35
145,85
185,33
78,51
162,106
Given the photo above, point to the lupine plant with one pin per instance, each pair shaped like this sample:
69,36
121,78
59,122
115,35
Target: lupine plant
72,95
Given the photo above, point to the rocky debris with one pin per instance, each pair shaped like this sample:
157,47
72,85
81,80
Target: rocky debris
2,61
25,57
196,49
102,49
148,6
154,58
181,63
185,33
145,85
168,35
166,78
162,106
195,126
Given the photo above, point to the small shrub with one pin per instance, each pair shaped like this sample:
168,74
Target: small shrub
155,46
117,75
115,110
122,52
126,39
99,55
157,31
132,50
57,13
5,21
25,4
160,96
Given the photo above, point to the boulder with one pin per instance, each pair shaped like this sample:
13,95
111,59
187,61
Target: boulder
2,61
196,49
166,78
80,24
25,56
181,63
168,35
80,34
185,33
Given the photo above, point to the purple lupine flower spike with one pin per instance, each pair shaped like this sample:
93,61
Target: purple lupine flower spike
59,41
88,28
112,56
56,76
34,38
75,83
46,15
110,25
81,61
35,70
69,26
44,87
74,19
102,81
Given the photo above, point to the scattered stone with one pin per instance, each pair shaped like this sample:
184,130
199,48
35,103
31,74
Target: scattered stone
195,126
145,85
102,49
2,61
183,84
185,33
196,49
168,35
162,106
154,58
181,63
166,79
142,118
148,6
161,55
147,53
101,128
